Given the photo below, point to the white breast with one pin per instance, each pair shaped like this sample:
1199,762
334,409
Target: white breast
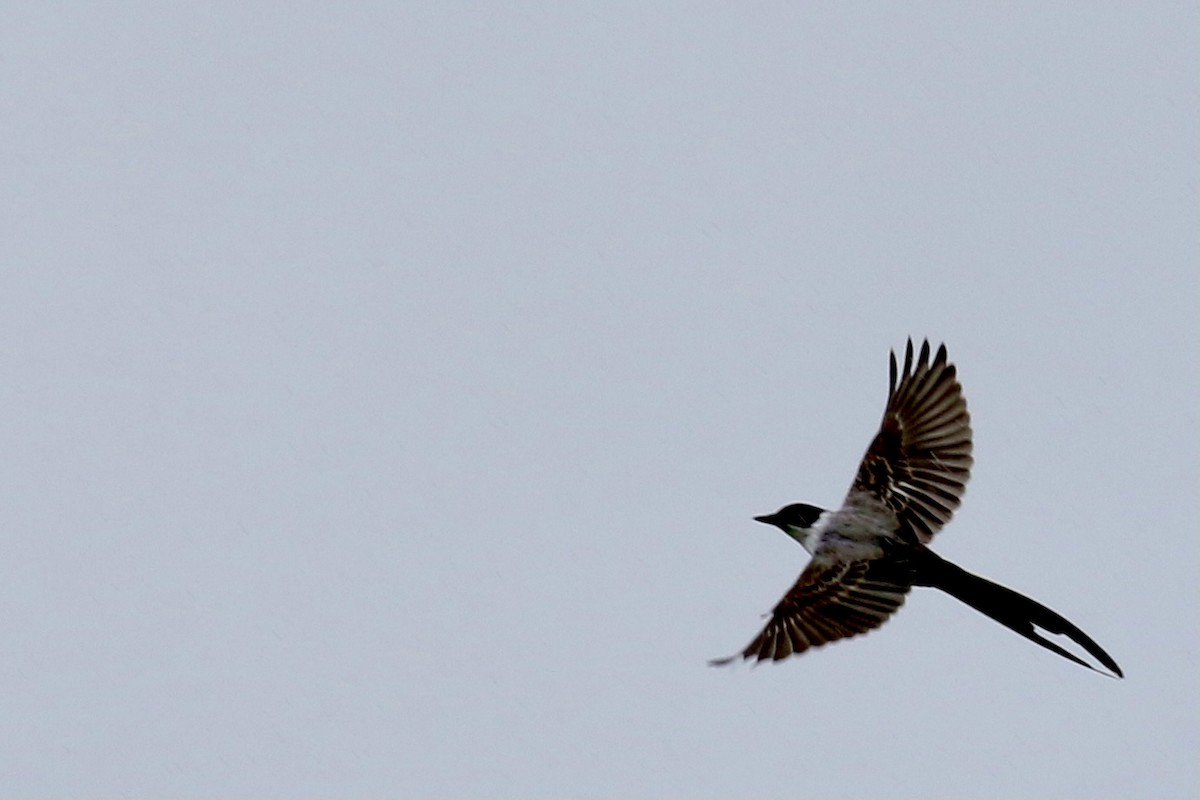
856,530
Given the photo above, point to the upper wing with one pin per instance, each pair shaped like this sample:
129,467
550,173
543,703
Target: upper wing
920,461
832,600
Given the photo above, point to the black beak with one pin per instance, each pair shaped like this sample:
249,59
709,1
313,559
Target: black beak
768,519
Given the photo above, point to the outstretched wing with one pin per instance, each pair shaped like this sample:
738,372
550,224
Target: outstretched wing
831,600
919,462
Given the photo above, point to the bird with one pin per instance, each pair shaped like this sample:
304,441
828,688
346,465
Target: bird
868,554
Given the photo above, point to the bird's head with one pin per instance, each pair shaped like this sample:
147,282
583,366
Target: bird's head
797,515
796,520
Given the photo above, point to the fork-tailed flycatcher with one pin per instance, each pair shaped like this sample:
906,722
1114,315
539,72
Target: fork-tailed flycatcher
872,550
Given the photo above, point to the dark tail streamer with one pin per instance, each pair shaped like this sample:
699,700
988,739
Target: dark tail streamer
1011,609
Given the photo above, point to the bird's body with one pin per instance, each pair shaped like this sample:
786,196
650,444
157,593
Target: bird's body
867,554
859,529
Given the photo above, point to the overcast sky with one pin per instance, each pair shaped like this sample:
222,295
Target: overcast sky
386,391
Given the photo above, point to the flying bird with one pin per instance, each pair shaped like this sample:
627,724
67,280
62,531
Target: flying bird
868,554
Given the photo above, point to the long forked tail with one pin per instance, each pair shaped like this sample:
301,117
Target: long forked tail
1013,610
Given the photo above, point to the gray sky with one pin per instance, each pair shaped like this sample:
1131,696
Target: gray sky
387,392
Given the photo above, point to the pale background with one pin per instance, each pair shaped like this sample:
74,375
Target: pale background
386,391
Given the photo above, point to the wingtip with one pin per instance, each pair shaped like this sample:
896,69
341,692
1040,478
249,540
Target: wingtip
924,359
918,358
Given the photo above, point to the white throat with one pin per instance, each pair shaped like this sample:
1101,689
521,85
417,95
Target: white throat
810,537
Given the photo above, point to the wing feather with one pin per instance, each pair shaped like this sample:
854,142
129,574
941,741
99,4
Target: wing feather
919,463
831,600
